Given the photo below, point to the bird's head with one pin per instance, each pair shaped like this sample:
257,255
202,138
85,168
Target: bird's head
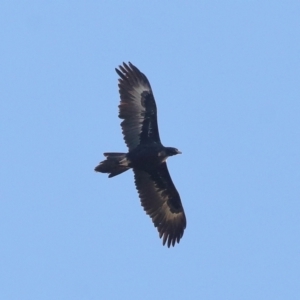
170,151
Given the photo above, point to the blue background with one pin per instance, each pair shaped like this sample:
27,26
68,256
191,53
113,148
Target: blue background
226,78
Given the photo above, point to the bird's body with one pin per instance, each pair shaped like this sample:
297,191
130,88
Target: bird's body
149,157
146,156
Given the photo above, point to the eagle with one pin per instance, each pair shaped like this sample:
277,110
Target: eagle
146,155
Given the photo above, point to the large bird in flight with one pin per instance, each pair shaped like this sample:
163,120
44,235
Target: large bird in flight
146,156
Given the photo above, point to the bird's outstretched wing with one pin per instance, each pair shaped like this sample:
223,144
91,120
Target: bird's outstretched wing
137,107
162,203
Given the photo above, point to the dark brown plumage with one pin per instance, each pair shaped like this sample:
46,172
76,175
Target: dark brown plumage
146,156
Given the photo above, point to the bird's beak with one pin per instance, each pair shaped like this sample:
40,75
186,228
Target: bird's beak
179,152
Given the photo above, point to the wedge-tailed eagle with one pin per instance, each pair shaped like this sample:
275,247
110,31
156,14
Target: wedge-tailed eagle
146,156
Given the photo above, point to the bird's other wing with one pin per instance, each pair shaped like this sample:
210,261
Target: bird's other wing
137,107
162,203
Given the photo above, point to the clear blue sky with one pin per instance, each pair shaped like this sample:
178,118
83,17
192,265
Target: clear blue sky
226,78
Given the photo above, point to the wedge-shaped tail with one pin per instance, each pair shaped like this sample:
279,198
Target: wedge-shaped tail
115,164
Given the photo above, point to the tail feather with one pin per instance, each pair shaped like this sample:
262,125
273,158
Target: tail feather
115,164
